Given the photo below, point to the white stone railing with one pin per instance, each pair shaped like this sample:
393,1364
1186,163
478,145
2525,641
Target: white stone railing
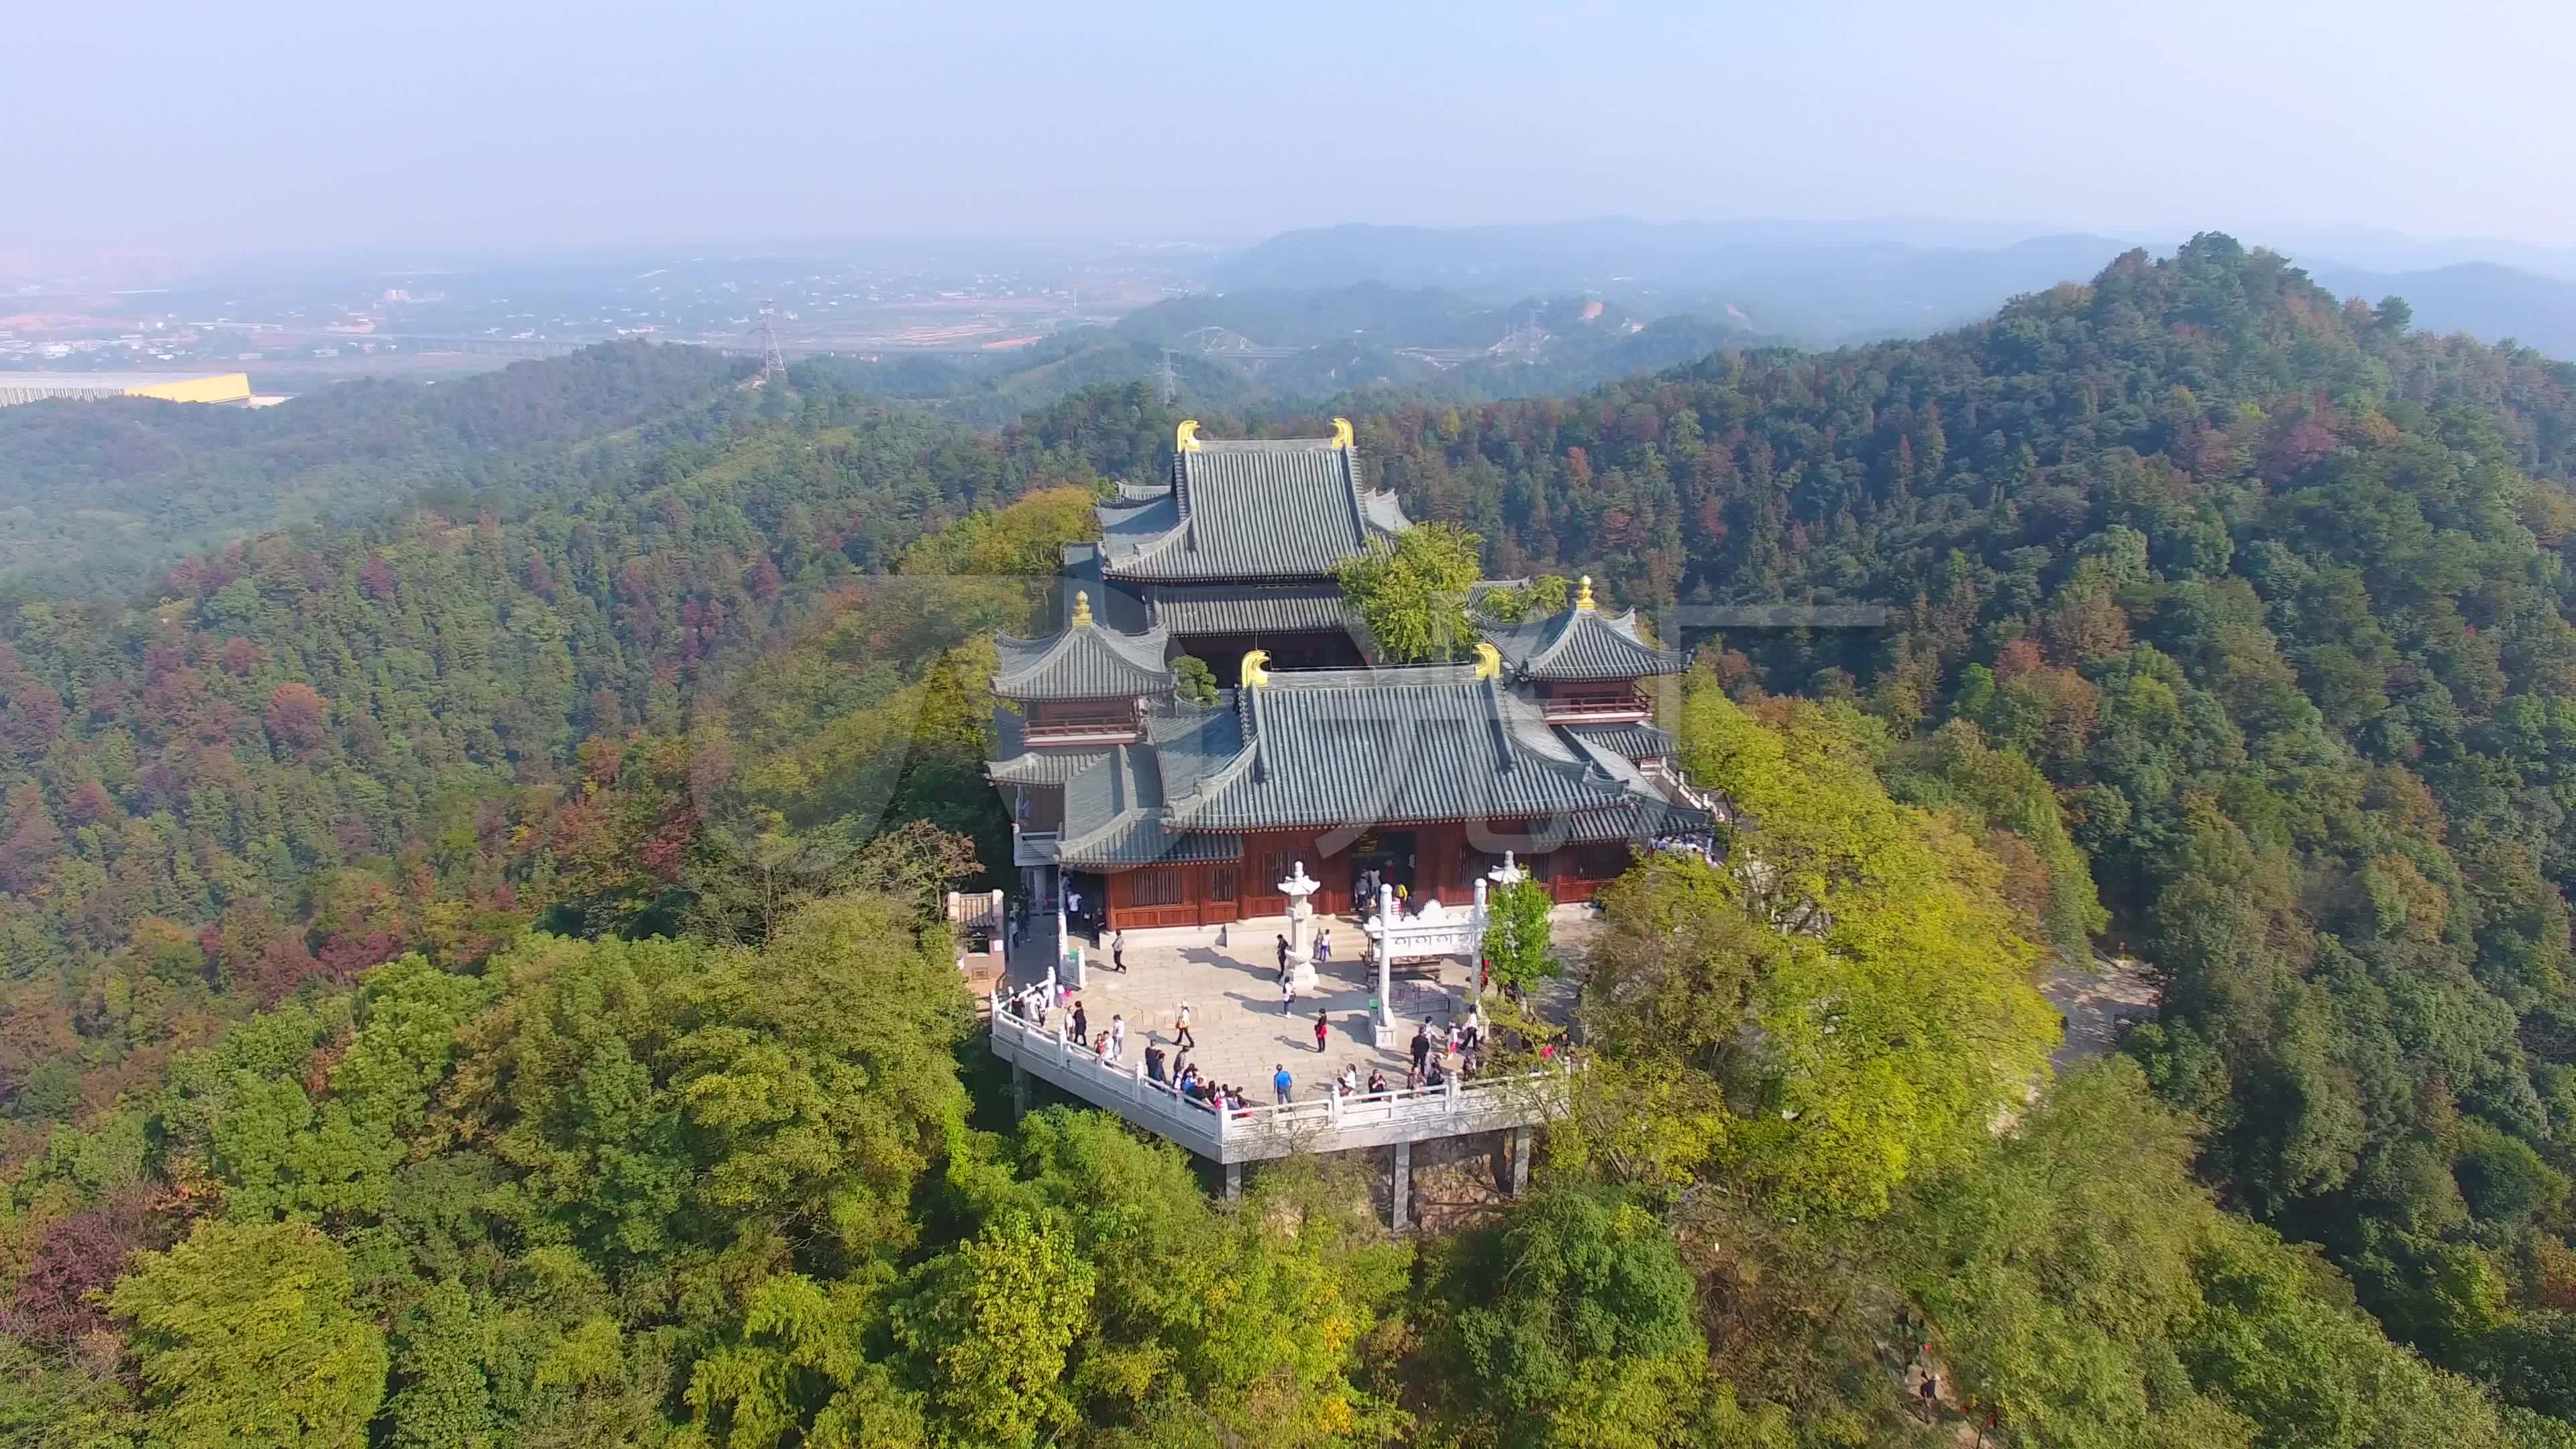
1329,1123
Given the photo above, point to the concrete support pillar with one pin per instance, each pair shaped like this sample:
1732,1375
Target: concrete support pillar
1522,1137
1399,1190
1019,1091
1234,1182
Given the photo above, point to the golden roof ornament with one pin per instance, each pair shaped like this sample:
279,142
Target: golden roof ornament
1341,432
1186,436
1489,660
1082,609
1256,672
1583,600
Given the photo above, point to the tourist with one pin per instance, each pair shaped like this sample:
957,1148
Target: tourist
1320,1029
1376,1081
1421,1046
1117,1037
1118,952
1181,1028
1436,1077
1455,1038
1073,908
1324,949
1153,1063
1287,994
1280,1082
1931,1398
1283,958
1475,1026
1100,1047
1412,1078
1081,1023
1349,1081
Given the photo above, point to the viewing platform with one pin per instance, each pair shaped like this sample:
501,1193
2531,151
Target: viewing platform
1326,1122
1241,1036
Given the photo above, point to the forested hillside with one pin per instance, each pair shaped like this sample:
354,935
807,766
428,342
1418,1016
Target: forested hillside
2268,589
466,982
319,749
94,495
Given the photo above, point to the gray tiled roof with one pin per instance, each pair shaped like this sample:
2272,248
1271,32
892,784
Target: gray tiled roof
1200,609
1392,746
1014,763
1634,741
1042,767
1581,644
1113,815
1291,508
1084,661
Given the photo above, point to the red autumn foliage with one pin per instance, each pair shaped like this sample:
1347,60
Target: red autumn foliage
297,718
77,1255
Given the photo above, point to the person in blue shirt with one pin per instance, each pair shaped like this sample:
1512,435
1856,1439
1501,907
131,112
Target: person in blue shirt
1280,1082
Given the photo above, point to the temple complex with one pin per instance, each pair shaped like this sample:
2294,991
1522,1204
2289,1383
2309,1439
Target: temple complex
1169,810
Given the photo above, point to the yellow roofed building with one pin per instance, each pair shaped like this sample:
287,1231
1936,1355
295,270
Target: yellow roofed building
217,387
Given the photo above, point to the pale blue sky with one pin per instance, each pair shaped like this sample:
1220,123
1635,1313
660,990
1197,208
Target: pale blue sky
258,123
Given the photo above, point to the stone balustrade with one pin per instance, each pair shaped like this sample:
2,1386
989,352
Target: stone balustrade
1325,1123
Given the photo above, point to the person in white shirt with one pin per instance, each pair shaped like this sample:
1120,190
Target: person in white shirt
1181,1029
1117,1037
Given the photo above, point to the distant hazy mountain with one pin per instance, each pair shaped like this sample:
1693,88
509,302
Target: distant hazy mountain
1817,282
2487,301
2380,250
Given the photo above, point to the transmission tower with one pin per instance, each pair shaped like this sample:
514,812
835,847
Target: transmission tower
1171,385
773,363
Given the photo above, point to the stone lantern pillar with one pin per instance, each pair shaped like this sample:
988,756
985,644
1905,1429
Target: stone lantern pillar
1301,927
1381,933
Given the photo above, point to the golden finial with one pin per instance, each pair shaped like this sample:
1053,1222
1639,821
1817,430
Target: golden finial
1489,661
1583,600
1256,672
1186,436
1341,432
1082,609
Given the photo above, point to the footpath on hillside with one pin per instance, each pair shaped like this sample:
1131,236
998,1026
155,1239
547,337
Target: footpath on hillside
2096,1002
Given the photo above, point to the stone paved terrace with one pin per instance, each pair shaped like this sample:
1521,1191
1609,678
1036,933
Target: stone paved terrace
1242,1035
1233,991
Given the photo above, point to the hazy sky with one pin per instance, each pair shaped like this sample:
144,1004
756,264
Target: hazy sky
205,128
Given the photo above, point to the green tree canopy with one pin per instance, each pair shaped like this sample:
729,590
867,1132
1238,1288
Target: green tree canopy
1411,592
246,1334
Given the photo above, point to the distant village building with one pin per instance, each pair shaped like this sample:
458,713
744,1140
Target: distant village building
1167,812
